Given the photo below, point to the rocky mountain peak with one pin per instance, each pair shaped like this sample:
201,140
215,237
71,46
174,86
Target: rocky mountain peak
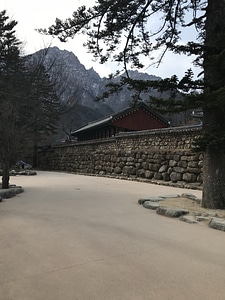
78,82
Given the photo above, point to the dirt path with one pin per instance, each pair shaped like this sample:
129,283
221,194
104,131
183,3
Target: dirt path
86,238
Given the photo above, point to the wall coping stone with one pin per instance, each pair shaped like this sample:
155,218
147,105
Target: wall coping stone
170,130
193,129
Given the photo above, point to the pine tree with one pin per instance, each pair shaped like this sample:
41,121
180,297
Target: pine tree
29,105
10,65
43,107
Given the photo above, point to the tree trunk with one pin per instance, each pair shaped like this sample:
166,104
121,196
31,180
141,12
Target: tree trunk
214,180
214,160
214,107
5,175
35,156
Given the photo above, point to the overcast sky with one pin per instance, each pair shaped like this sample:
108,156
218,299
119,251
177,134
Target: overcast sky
42,14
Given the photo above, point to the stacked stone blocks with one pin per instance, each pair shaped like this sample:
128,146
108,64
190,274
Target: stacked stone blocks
156,155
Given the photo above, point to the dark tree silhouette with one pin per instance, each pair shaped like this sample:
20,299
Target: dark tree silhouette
29,105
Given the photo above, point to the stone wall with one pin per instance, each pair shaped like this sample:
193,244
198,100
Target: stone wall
163,155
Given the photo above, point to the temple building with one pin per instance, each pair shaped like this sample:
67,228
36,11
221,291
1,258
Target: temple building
140,117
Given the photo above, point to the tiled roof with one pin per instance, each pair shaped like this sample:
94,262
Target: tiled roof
93,124
117,115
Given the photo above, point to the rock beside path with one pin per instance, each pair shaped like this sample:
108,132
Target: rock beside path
23,172
188,219
141,201
217,223
185,207
11,192
172,212
151,205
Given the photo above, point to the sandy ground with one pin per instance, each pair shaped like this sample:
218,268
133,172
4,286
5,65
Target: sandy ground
192,206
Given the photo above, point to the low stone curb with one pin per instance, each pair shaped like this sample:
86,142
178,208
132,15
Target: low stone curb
151,205
202,219
188,219
141,201
25,172
184,215
217,223
169,196
191,197
11,192
172,212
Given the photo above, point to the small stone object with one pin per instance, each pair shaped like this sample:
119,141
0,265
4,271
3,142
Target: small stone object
170,196
12,172
202,219
155,199
141,201
217,223
195,214
11,192
32,172
27,172
172,212
7,193
18,190
205,215
22,173
188,219
191,197
151,205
